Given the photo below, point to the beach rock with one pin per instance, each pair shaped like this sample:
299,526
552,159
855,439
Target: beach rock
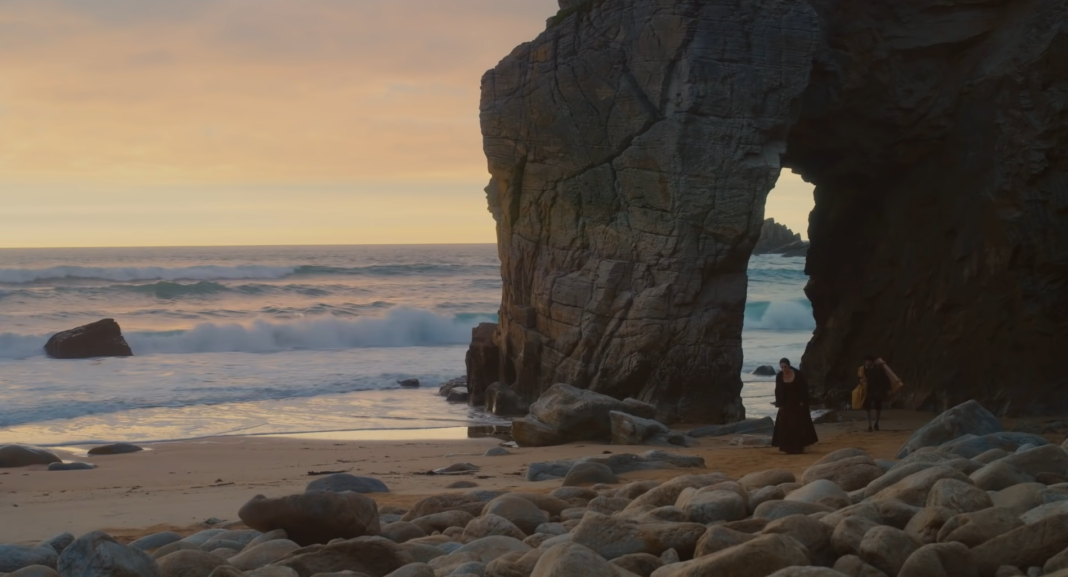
488,525
619,463
188,564
780,509
970,446
1058,562
342,482
668,493
483,550
613,537
718,538
959,496
100,339
374,556
854,566
276,571
529,432
445,502
1045,511
940,560
761,479
589,474
571,559
15,557
483,363
914,489
759,557
201,537
765,371
974,529
95,554
73,466
34,571
24,455
747,426
968,418
887,549
496,452
806,572
630,430
502,400
547,503
172,547
771,493
457,395
156,540
574,414
926,524
402,531
409,383
521,512
817,491
815,536
999,475
1049,459
568,493
242,537
1020,498
231,571
826,416
268,536
1026,546
849,534
414,570
115,449
58,542
451,384
608,505
751,441
254,557
641,564
711,506
313,517
849,473
441,521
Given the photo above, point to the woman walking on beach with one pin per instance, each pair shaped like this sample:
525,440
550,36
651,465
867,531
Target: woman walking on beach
793,425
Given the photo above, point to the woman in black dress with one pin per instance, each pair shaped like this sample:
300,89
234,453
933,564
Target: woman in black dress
793,425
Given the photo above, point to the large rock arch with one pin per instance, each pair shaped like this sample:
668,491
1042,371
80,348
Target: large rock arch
633,143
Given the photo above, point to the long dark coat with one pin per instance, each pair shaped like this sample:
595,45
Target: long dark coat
793,425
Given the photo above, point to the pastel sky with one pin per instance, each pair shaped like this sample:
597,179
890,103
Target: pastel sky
221,122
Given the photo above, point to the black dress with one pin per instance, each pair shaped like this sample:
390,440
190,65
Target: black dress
793,425
878,387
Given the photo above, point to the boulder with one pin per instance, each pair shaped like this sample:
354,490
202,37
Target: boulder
1058,562
440,522
572,559
74,466
58,542
115,449
974,529
409,383
854,566
24,455
188,563
968,418
402,531
887,549
711,506
589,473
613,537
156,540
718,538
748,426
1027,546
815,536
758,557
100,339
924,527
668,492
34,571
641,564
940,560
523,513
765,371
488,525
566,413
850,473
780,509
503,401
914,489
457,395
445,388
483,550
1045,511
817,491
849,534
630,430
619,463
806,572
958,496
990,456
341,482
258,555
970,446
999,475
761,479
15,557
771,493
483,363
1020,498
314,516
1045,459
96,554
374,556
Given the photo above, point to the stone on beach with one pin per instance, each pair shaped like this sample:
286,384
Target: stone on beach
115,449
572,559
24,455
968,418
97,553
750,426
188,563
1027,546
503,401
341,482
589,473
565,413
156,540
15,557
374,556
34,571
758,557
100,339
313,517
254,557
630,430
74,466
619,464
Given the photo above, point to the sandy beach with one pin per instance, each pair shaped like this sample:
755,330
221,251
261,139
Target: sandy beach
179,485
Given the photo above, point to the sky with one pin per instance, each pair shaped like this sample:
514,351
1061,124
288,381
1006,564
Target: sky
252,122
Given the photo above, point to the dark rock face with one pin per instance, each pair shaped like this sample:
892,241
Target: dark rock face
936,136
631,146
776,238
100,339
483,361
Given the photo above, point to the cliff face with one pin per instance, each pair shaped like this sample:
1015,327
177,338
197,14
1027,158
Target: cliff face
936,135
633,143
631,147
777,238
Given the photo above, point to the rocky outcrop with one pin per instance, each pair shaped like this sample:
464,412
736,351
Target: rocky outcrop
632,145
483,359
565,413
776,238
100,339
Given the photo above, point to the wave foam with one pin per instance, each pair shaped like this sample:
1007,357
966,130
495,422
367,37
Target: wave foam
792,315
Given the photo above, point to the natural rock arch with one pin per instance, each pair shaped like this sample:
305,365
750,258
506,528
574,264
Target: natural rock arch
633,143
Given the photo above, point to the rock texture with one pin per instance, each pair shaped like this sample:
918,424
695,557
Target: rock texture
776,238
631,146
100,339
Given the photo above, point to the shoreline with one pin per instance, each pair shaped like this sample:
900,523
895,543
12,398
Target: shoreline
179,484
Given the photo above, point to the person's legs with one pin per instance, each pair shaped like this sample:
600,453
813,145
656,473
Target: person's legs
878,413
868,406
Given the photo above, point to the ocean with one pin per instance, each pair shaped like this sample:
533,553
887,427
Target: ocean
282,340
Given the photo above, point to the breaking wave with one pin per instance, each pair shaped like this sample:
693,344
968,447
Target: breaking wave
241,272
789,315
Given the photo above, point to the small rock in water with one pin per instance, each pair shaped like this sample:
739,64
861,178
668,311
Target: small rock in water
765,371
116,449
100,339
457,395
825,416
409,383
74,466
448,386
455,469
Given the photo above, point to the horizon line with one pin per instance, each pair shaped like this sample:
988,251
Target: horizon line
248,245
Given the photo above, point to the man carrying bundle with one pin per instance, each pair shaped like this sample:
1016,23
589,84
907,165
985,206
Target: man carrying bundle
876,377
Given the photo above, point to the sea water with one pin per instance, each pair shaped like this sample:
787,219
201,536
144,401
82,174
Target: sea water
270,340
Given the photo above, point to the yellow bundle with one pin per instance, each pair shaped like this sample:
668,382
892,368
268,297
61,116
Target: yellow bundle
860,394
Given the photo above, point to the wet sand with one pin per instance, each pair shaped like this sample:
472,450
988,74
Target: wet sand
178,485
